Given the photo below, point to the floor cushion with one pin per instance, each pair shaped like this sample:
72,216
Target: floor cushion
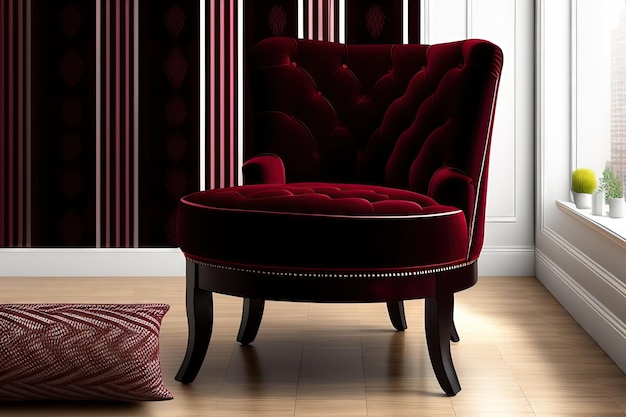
81,352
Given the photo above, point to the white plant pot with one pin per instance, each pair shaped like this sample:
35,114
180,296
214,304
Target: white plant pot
597,203
617,207
582,200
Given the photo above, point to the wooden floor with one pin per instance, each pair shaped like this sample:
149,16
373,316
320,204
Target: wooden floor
520,355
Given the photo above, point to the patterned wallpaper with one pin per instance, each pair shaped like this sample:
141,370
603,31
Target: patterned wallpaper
374,21
99,138
169,115
68,171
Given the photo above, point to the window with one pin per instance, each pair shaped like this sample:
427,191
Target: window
599,92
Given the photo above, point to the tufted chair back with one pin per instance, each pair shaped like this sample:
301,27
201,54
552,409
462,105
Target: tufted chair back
416,117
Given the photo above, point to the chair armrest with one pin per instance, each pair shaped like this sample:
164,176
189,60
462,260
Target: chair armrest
455,188
264,169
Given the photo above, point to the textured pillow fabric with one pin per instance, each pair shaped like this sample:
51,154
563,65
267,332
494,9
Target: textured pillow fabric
81,352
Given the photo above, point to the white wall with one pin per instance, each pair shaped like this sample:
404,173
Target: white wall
509,236
582,268
509,240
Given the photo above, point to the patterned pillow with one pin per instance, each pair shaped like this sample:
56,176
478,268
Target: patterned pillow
81,352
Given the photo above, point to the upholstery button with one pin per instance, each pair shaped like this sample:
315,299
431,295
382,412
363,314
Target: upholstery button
293,64
319,93
344,66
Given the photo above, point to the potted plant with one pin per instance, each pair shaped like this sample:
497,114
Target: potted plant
611,184
583,184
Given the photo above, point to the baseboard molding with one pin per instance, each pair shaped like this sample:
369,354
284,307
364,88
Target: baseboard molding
170,262
507,261
599,322
92,262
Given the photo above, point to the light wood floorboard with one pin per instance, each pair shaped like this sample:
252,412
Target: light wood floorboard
520,355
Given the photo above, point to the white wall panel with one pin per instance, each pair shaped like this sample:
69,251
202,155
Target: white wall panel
509,235
446,20
494,20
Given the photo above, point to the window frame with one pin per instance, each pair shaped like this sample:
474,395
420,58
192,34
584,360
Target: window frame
612,228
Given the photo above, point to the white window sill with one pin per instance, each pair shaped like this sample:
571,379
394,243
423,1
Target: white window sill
614,229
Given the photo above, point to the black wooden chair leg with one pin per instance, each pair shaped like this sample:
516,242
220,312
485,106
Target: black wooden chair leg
250,320
200,323
438,317
454,335
396,314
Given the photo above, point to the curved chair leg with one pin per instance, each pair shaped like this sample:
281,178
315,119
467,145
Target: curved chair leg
438,317
454,335
396,314
200,324
250,320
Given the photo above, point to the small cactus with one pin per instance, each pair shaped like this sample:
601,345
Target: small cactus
584,181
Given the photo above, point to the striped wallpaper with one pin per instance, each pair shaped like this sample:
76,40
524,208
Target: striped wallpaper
321,20
14,132
99,138
222,63
115,132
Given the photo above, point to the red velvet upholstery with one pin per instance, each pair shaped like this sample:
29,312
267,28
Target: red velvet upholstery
406,116
366,174
348,227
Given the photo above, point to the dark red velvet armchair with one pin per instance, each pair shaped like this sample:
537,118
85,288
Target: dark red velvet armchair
365,181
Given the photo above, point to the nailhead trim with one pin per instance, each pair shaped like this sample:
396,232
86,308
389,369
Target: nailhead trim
359,275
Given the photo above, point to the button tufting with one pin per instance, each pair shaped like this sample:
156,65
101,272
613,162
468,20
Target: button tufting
344,66
319,93
293,64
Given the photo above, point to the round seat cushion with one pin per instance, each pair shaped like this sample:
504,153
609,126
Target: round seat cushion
320,227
